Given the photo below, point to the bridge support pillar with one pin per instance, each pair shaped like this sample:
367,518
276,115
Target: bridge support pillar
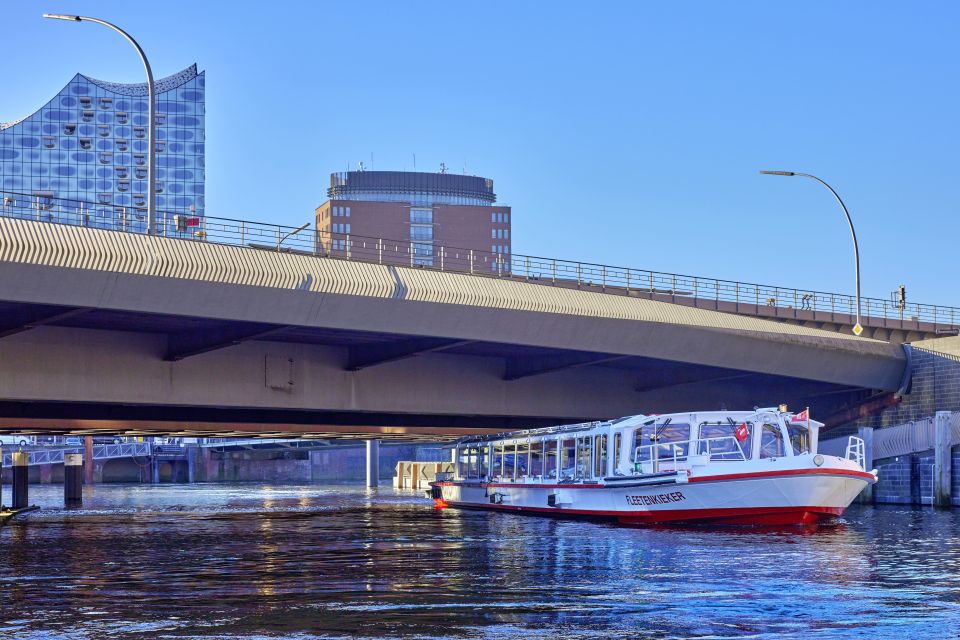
20,469
373,463
866,434
46,473
88,460
72,480
196,467
155,471
942,462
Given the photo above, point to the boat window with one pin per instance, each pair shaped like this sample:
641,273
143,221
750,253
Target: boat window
536,458
523,459
617,441
600,456
799,438
482,462
584,456
498,467
568,449
550,460
722,442
471,462
771,441
668,435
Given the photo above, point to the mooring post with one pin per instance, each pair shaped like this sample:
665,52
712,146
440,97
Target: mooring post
373,463
20,468
88,460
942,462
866,434
72,480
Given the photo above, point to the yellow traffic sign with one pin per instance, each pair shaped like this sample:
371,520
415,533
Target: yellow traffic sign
857,329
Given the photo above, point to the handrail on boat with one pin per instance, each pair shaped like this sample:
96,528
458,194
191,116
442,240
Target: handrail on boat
856,451
678,451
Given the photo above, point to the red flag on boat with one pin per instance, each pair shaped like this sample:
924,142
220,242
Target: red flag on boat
803,416
742,432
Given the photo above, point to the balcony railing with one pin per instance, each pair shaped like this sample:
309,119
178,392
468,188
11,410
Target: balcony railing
725,295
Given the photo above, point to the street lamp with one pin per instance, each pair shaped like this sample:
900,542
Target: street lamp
858,328
152,106
290,233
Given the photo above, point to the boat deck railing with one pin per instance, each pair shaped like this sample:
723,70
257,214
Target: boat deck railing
648,458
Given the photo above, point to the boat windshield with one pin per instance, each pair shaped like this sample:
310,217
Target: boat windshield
726,440
661,437
799,438
771,441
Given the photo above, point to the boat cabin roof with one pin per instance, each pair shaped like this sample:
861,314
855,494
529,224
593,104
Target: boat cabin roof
626,422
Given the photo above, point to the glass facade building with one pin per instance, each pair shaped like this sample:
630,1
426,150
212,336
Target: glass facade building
86,149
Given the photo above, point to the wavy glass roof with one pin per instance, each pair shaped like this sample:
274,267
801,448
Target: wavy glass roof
130,89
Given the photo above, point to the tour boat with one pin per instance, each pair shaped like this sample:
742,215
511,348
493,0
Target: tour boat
757,467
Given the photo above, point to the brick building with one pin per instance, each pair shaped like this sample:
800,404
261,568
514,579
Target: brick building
440,220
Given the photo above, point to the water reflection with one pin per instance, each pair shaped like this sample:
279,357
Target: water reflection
312,561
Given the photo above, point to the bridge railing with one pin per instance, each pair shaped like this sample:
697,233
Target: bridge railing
727,295
100,452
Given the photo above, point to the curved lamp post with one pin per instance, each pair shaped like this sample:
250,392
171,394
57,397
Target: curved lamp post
290,233
152,106
858,328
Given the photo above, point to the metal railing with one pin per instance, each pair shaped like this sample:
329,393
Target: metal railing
100,452
900,440
856,451
725,295
649,457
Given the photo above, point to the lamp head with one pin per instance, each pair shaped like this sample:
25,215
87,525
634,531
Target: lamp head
60,16
778,173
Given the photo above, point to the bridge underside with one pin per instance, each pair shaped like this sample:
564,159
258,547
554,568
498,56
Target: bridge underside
79,371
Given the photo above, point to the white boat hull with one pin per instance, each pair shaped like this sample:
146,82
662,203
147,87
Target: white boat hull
790,496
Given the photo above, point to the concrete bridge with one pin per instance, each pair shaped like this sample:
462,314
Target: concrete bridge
111,331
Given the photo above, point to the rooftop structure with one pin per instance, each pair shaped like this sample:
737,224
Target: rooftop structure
429,213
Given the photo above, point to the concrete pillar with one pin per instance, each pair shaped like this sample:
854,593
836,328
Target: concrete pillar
942,462
866,434
72,480
88,460
155,471
191,464
46,473
20,468
373,463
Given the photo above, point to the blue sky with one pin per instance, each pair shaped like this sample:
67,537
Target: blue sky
621,133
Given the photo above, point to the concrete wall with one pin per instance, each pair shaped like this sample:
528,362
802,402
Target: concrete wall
935,387
908,479
340,464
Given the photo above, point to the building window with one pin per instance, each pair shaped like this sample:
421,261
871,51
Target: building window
348,212
493,217
493,248
493,234
421,232
506,234
421,216
422,249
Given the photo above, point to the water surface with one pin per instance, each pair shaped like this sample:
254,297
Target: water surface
255,561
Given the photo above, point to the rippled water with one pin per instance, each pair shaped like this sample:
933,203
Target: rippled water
253,561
